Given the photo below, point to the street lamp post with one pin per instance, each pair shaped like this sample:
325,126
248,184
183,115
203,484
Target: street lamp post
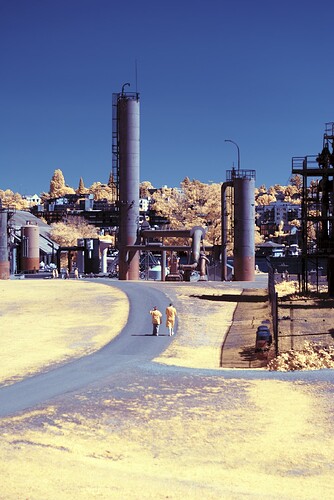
229,140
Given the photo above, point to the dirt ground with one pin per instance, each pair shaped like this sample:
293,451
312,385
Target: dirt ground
305,319
185,436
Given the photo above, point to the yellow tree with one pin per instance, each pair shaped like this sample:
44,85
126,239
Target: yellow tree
195,204
102,192
168,202
265,199
58,187
295,223
81,188
278,188
67,234
289,192
213,210
272,191
144,189
260,190
297,181
11,199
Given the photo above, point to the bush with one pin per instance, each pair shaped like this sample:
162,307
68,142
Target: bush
312,357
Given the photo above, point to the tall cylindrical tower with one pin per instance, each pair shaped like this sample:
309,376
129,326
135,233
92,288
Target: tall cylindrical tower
128,150
244,222
4,260
30,248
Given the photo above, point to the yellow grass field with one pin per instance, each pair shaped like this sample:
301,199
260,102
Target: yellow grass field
176,437
44,322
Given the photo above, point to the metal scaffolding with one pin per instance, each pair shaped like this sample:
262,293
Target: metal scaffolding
317,223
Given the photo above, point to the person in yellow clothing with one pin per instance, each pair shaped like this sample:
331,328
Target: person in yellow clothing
170,318
156,320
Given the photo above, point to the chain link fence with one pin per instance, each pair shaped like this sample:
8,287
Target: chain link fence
298,319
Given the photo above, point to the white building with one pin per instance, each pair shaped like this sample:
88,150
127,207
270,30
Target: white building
144,204
278,212
33,200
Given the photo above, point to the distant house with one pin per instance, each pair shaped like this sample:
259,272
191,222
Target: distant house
33,200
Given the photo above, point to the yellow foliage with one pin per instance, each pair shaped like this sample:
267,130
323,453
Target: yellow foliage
67,234
58,187
11,199
103,192
144,189
195,204
312,357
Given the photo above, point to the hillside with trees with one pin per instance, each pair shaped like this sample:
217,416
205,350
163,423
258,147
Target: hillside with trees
194,203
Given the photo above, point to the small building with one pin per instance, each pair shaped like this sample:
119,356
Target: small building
270,249
33,200
277,212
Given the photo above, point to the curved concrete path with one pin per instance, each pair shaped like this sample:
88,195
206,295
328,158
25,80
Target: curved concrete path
130,353
133,346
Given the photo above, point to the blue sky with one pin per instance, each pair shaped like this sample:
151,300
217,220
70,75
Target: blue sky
257,72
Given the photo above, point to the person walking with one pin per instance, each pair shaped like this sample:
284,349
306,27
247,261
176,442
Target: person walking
156,320
170,318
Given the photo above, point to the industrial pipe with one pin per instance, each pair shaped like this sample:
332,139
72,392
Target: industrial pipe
197,234
4,261
224,218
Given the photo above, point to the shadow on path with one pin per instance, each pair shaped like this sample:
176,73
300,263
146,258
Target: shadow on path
233,298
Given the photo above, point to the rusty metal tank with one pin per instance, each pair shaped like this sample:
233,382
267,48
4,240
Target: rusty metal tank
30,248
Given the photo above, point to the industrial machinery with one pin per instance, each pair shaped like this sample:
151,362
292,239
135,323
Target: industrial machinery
125,169
194,249
317,224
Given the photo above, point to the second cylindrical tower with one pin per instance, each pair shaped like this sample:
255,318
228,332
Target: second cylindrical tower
244,226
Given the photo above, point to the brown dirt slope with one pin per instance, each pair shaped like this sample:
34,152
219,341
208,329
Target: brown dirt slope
238,351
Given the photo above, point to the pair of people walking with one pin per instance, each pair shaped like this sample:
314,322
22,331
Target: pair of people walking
170,319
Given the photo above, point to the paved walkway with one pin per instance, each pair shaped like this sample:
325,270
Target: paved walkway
132,347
